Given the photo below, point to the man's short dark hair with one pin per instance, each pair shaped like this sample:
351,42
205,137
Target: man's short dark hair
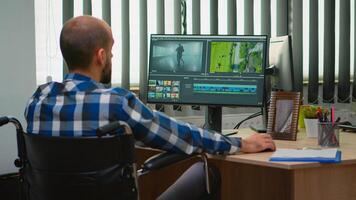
80,39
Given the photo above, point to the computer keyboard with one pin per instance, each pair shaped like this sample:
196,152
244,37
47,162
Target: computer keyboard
351,128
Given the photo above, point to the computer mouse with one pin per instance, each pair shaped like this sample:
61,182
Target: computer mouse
267,150
345,123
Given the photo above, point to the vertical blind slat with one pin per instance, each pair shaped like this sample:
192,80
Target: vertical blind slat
177,17
67,13
143,50
183,17
214,24
248,17
282,17
231,17
125,34
106,10
87,7
296,18
266,17
329,52
313,86
343,89
68,10
160,16
196,16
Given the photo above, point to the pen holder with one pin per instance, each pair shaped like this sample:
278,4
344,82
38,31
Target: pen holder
328,134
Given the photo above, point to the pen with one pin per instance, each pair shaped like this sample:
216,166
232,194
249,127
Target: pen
332,114
326,117
319,115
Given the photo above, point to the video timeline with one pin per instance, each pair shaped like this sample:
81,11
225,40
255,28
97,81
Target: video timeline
224,89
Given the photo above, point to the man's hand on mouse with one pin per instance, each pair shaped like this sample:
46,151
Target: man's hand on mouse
257,143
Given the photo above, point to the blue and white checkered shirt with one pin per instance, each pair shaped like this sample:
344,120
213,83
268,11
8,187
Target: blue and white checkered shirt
79,105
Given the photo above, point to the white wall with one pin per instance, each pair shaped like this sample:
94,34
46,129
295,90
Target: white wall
17,70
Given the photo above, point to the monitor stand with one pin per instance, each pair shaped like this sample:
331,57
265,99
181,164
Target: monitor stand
262,128
213,116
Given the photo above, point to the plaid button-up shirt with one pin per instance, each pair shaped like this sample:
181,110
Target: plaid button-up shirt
79,105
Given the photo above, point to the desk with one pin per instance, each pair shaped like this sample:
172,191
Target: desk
252,176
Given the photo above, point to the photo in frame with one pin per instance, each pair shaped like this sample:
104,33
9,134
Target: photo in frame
283,115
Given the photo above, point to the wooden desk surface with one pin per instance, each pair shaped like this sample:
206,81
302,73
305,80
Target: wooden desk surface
347,146
244,174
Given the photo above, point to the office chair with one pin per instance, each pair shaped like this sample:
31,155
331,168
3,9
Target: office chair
101,167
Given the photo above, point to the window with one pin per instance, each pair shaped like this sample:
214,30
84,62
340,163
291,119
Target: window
48,16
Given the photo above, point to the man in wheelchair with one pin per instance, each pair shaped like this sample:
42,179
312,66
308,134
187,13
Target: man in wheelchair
82,103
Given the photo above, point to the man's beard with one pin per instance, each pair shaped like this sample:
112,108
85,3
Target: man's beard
106,74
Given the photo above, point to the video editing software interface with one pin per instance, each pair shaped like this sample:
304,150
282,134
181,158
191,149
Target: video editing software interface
207,70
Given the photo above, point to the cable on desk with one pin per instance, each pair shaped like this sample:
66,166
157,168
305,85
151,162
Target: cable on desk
247,118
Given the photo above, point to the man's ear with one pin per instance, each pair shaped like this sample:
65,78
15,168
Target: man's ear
101,56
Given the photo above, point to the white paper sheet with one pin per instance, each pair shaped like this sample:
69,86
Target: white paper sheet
305,153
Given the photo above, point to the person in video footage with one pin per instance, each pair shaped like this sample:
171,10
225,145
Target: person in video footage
180,51
81,103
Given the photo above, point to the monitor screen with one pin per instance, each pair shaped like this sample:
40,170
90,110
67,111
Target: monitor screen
280,57
207,70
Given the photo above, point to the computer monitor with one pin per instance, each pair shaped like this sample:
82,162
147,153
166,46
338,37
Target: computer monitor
280,58
207,70
279,75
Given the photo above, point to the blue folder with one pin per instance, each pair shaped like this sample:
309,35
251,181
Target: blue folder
337,159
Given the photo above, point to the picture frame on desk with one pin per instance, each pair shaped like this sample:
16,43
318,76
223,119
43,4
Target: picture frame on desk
283,115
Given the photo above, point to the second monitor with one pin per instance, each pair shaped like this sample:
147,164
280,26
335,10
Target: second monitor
280,58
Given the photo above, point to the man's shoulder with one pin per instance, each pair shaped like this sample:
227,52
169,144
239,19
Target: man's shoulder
49,87
115,91
56,88
46,85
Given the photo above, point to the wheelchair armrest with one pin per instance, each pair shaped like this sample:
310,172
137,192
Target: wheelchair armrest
4,120
162,160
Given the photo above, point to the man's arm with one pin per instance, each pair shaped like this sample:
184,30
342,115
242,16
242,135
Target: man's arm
158,130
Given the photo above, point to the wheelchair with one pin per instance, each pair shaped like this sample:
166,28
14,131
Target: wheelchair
101,167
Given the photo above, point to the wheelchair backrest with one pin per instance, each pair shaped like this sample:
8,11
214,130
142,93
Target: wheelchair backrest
79,168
